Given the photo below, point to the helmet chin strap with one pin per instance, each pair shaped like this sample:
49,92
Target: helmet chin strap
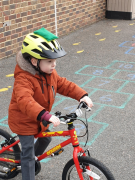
41,73
38,67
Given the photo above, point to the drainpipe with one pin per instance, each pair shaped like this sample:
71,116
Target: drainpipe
55,17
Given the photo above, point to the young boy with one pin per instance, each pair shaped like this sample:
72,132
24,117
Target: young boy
35,86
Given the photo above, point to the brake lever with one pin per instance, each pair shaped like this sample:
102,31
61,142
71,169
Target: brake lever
88,109
58,114
86,106
81,105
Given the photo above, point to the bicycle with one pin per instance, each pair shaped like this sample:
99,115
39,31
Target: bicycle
81,166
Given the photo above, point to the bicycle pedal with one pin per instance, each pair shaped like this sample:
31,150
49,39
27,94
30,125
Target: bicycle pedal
56,153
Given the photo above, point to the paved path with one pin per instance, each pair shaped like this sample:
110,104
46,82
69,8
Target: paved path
100,59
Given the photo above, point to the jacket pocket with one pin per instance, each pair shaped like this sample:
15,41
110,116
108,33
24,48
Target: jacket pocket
53,90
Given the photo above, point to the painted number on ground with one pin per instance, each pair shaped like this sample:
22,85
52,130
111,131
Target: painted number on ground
127,66
131,76
71,108
78,128
98,72
104,82
106,98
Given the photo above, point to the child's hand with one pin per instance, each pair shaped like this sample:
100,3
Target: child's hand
87,100
54,120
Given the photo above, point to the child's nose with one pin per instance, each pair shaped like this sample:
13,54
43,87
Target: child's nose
54,64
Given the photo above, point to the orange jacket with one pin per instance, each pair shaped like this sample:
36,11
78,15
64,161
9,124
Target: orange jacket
28,99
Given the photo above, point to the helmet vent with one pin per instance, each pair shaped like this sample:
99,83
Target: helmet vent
35,37
53,44
46,45
25,44
36,51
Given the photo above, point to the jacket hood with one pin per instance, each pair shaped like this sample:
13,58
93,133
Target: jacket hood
24,64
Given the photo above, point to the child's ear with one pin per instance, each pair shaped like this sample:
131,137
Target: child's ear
34,61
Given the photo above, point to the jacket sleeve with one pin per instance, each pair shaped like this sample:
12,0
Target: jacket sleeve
68,88
24,92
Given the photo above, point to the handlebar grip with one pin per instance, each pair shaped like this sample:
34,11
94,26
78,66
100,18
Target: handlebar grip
45,123
80,105
83,105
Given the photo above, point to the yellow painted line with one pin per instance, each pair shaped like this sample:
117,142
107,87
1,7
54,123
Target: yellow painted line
80,51
118,30
9,75
102,39
132,24
115,26
76,43
97,34
3,89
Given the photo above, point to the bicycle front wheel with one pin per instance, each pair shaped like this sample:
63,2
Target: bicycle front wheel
97,171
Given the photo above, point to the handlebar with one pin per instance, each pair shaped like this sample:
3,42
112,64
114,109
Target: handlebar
70,117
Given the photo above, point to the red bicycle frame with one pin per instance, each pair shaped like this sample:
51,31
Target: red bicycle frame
73,139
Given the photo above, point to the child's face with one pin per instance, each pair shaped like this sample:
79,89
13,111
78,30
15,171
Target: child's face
47,65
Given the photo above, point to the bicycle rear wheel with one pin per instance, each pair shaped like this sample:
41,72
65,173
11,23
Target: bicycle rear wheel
6,167
98,170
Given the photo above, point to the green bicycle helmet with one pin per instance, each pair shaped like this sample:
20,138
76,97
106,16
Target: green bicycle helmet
38,47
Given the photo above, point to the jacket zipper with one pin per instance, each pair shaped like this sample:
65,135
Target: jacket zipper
53,92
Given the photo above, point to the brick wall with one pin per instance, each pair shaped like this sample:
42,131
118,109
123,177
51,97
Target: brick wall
20,17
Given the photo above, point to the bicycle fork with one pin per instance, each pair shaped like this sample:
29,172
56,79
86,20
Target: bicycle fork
86,169
75,157
78,149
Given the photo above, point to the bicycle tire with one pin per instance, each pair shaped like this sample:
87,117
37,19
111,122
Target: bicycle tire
16,151
70,173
